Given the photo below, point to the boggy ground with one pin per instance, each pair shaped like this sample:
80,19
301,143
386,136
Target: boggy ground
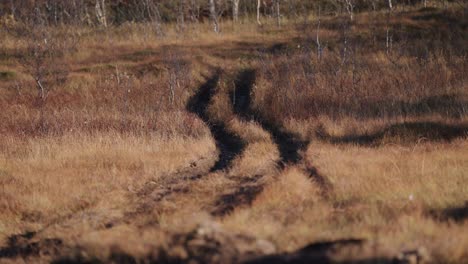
262,151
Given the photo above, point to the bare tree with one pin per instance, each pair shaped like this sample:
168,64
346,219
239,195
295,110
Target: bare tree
350,8
214,16
101,12
45,49
278,13
154,16
194,10
178,77
319,46
259,5
235,10
181,17
389,37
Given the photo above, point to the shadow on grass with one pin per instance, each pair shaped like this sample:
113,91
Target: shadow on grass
455,214
448,105
440,17
409,132
321,252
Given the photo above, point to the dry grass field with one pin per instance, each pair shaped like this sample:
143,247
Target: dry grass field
255,145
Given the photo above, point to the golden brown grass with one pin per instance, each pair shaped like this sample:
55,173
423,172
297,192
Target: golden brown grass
111,161
387,194
59,177
428,174
391,193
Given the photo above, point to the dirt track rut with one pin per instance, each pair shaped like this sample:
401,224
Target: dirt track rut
289,145
240,191
229,144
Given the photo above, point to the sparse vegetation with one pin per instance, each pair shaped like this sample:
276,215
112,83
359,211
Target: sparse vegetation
333,131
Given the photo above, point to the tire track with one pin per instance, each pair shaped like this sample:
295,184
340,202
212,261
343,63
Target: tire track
229,144
243,191
289,145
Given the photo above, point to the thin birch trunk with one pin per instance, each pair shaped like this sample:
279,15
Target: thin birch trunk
235,10
181,20
101,12
350,9
278,13
259,5
319,46
214,16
